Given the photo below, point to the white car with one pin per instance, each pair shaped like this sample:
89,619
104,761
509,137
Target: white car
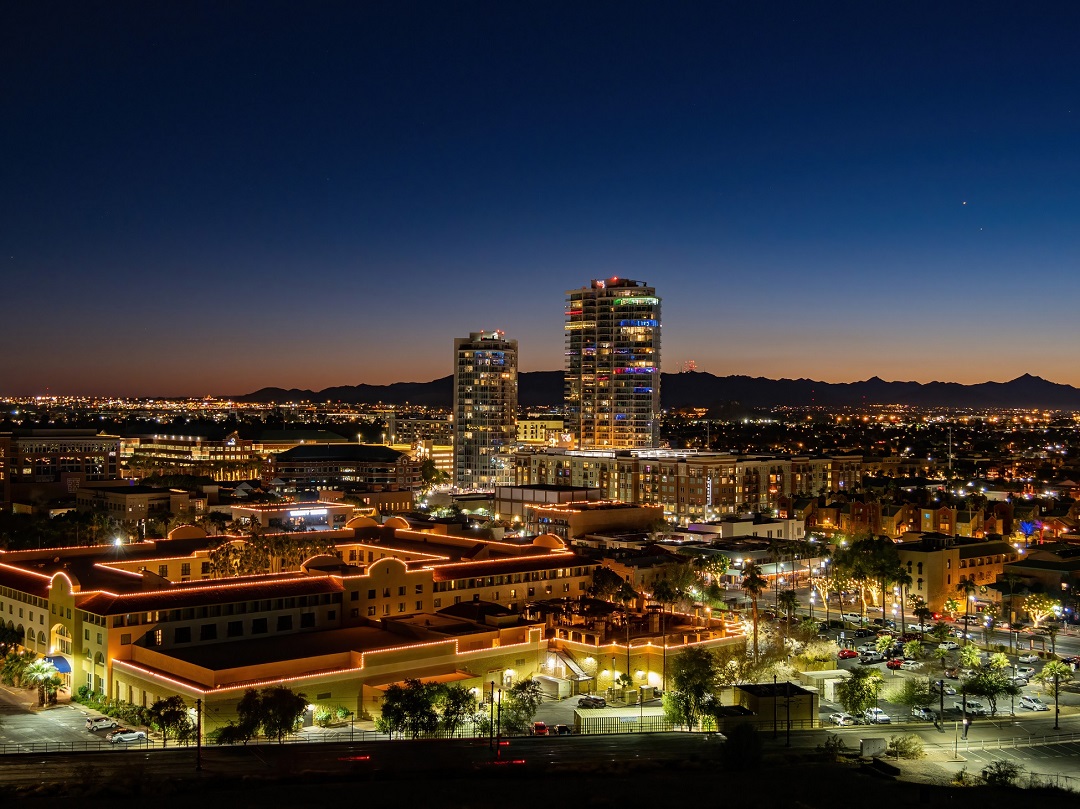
100,723
842,719
951,645
125,735
866,648
1028,657
1027,672
948,689
1033,703
853,617
876,716
910,665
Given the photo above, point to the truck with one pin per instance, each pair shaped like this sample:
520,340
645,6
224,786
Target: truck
974,707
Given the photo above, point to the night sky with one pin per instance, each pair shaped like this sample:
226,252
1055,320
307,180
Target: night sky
209,198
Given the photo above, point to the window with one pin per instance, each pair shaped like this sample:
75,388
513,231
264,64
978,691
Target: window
354,595
284,623
125,640
99,638
86,635
371,594
307,620
208,632
419,589
182,634
438,603
204,569
163,571
531,591
354,613
185,569
419,606
513,594
234,629
401,591
258,626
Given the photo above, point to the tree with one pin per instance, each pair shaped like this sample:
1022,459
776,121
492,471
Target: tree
860,689
1040,606
457,704
1011,581
788,601
38,673
1053,678
520,703
970,657
924,614
170,715
913,692
940,632
605,583
990,684
754,584
409,709
1029,528
968,587
913,650
903,581
952,606
694,676
281,709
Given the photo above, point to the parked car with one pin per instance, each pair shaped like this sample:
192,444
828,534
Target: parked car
1026,672
125,735
953,672
910,665
876,716
101,723
1042,630
862,633
539,729
1070,660
1028,657
924,713
847,654
907,637
591,702
869,658
895,664
974,707
853,617
562,730
948,690
1018,681
842,719
1033,703
866,648
951,645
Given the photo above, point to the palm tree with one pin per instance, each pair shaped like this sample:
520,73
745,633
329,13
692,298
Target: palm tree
903,581
40,673
924,614
967,587
1012,581
753,584
788,601
1054,674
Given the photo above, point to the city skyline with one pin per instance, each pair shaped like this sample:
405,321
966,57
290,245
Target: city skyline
213,200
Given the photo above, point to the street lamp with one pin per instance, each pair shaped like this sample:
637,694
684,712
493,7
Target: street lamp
812,605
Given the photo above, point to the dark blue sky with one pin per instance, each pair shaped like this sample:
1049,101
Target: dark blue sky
213,197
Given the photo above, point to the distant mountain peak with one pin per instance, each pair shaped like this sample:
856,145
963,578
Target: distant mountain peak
702,389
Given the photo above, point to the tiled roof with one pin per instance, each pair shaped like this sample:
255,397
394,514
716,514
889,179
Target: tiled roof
35,584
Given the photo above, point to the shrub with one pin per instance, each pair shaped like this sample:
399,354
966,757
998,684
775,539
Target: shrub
907,746
1002,773
322,716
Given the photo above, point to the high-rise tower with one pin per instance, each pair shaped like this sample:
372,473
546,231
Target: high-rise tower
485,409
612,380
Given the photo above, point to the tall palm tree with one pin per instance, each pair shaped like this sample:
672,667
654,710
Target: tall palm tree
753,584
968,587
1012,581
788,603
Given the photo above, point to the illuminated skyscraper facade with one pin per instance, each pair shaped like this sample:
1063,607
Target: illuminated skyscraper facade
612,372
485,409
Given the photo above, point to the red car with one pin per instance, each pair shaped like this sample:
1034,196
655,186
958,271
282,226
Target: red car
847,654
895,663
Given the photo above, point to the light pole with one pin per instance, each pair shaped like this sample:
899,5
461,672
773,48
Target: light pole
641,708
811,605
1012,706
198,734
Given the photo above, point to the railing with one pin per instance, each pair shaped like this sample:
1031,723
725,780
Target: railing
79,747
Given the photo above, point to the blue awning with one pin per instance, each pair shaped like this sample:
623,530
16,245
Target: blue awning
60,663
